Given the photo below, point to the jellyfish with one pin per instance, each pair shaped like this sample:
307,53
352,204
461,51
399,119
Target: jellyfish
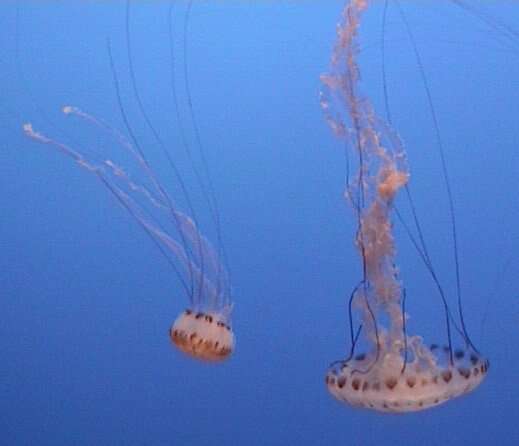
203,330
398,372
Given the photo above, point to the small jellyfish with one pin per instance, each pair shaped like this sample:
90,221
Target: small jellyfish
203,331
398,372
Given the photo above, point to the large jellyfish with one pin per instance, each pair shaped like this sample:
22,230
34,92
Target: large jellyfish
203,330
398,372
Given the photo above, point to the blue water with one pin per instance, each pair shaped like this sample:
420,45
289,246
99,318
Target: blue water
87,301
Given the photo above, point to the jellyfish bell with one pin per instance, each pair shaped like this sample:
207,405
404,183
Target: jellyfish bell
203,335
427,381
398,372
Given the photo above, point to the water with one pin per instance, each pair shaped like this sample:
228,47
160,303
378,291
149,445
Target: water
88,300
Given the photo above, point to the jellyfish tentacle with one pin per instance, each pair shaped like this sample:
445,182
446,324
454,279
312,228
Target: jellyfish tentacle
350,317
209,190
132,134
445,173
404,331
98,170
197,241
503,30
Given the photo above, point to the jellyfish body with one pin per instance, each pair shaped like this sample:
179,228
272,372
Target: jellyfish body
204,336
203,331
398,372
427,381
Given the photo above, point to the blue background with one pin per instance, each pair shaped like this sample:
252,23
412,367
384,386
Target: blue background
86,299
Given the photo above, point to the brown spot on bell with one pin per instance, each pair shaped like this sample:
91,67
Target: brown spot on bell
391,383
